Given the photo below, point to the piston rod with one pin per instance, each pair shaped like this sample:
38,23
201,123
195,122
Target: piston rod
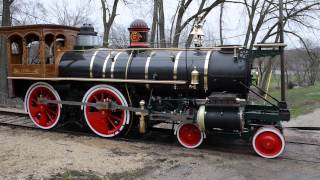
99,105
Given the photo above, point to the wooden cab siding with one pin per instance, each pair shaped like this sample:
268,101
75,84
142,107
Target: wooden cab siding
19,64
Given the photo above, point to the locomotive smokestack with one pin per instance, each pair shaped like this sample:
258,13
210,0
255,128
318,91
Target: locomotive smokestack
139,34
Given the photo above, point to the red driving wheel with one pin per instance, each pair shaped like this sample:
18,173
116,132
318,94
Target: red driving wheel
45,116
105,122
268,142
189,135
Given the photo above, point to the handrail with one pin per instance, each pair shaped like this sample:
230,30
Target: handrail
164,49
269,45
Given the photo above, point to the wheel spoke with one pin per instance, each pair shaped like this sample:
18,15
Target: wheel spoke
43,120
49,116
102,97
96,98
52,111
111,122
34,110
94,116
34,101
115,117
98,121
34,113
48,97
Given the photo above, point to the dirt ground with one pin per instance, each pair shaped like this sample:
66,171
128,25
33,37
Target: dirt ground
311,119
35,154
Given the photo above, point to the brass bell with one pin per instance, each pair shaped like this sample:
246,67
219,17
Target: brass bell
195,78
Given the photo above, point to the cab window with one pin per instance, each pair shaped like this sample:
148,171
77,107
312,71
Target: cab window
16,49
49,49
60,42
33,49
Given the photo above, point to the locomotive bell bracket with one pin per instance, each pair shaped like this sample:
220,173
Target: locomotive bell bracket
197,32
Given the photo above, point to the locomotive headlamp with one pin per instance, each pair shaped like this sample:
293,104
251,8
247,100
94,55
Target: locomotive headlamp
139,34
195,78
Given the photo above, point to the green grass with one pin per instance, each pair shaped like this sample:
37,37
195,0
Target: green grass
301,100
73,175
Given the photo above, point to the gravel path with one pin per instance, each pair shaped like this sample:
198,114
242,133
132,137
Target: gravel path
34,154
307,120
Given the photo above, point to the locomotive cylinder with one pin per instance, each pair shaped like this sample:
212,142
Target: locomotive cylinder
226,117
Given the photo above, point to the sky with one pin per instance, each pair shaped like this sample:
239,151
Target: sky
234,19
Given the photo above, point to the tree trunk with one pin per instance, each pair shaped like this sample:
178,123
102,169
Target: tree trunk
6,13
161,24
177,31
3,68
189,40
265,76
172,25
221,23
154,23
6,21
108,19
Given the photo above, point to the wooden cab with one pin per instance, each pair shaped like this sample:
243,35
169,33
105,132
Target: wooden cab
35,50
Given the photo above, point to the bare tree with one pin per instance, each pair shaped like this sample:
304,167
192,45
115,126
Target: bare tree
154,26
180,24
158,24
25,12
173,20
263,15
119,36
108,19
161,24
312,61
69,14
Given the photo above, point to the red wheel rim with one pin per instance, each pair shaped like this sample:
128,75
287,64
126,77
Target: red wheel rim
43,115
189,135
268,144
105,122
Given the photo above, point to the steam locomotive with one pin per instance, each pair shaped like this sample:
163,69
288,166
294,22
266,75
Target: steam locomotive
197,90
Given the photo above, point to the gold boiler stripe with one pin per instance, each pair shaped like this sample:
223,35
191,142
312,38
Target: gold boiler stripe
127,66
105,65
91,63
146,68
175,66
206,67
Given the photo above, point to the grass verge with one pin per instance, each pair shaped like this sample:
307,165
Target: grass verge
301,100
